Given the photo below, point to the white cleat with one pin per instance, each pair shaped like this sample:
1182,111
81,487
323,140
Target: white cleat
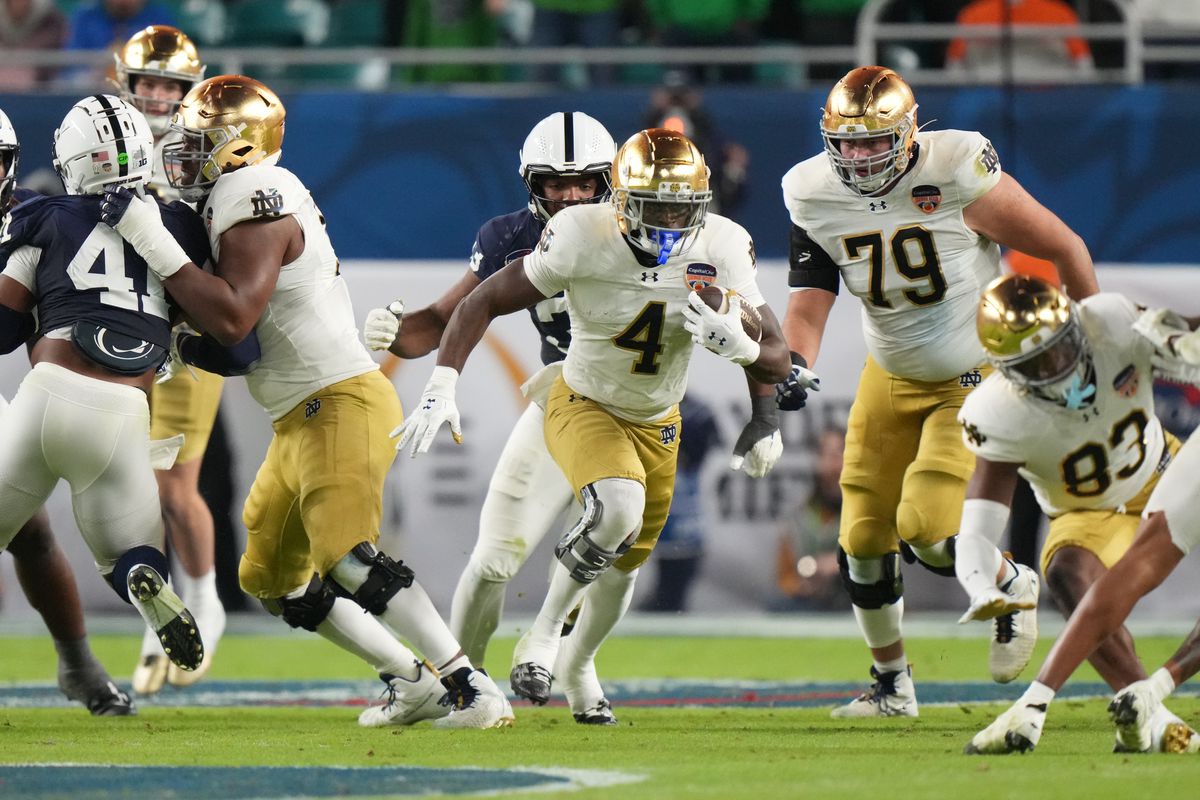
210,619
151,671
1145,725
1017,730
1015,632
407,702
892,695
474,701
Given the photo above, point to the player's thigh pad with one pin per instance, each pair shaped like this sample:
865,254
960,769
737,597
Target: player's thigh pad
935,484
527,494
338,450
591,444
1106,534
277,557
1176,494
186,405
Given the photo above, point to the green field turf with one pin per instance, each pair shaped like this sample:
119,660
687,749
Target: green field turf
678,752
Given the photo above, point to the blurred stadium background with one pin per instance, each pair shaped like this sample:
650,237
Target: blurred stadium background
405,118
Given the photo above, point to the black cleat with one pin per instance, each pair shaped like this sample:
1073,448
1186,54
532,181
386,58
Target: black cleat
531,681
599,714
109,701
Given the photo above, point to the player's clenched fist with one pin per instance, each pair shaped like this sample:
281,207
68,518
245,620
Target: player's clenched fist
383,325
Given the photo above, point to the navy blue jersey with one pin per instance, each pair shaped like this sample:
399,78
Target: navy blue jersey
503,240
88,273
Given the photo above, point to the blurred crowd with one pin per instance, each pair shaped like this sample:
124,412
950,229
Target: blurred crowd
537,24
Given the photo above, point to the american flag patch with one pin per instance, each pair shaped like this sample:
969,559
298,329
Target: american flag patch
101,156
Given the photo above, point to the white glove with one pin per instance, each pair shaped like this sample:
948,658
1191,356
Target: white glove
761,458
137,218
720,333
383,325
1160,326
435,408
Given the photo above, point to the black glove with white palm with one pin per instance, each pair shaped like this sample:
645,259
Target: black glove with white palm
137,218
792,394
435,408
759,446
721,333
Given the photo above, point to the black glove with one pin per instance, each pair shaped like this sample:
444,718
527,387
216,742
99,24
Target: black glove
759,445
792,394
116,203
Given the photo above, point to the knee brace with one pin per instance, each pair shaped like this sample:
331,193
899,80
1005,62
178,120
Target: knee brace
308,610
377,577
884,592
576,551
924,555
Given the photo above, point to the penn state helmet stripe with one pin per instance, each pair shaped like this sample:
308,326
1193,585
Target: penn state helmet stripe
569,136
118,135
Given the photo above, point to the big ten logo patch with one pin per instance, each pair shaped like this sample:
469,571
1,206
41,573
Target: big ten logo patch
266,204
668,434
312,407
969,380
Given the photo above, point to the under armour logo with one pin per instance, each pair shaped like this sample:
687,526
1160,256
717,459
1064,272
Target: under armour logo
428,404
720,341
878,205
312,407
970,379
649,277
668,434
974,435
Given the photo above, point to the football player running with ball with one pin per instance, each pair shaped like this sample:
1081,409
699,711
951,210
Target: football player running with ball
155,69
316,501
1070,407
911,222
612,423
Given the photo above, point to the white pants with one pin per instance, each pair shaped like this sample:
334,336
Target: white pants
1176,494
95,435
527,493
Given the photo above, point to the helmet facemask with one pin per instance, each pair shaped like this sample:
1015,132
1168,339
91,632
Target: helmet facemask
160,123
10,154
665,222
194,162
1060,369
160,52
870,103
538,202
868,174
566,144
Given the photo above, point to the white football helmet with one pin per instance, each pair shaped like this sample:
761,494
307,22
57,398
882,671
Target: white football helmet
10,153
102,141
566,143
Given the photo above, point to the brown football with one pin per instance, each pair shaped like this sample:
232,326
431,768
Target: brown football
717,298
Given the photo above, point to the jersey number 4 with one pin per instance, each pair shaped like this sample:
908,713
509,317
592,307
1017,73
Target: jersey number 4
100,265
644,336
915,257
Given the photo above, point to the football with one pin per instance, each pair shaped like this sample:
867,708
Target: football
717,298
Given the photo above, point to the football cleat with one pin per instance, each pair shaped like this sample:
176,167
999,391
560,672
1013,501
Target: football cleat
1017,730
407,701
210,617
1145,725
1015,632
109,701
531,681
151,672
166,615
599,714
474,701
892,695
93,687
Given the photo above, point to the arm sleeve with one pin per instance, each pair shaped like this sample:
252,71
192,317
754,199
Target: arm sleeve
210,355
809,266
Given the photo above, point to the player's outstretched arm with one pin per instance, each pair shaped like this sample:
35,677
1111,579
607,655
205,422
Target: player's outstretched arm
503,293
421,330
1010,216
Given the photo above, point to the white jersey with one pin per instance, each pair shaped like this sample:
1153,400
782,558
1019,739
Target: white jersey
908,254
629,351
307,332
158,182
1097,457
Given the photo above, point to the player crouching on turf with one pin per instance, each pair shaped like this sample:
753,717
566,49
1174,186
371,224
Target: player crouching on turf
316,503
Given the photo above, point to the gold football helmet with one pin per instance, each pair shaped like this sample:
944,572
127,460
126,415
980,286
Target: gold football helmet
1031,333
157,51
868,103
660,191
227,122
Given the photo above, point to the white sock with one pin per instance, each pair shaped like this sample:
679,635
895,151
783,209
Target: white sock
977,561
561,598
475,611
607,602
1162,683
1038,694
412,614
359,633
898,664
880,626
